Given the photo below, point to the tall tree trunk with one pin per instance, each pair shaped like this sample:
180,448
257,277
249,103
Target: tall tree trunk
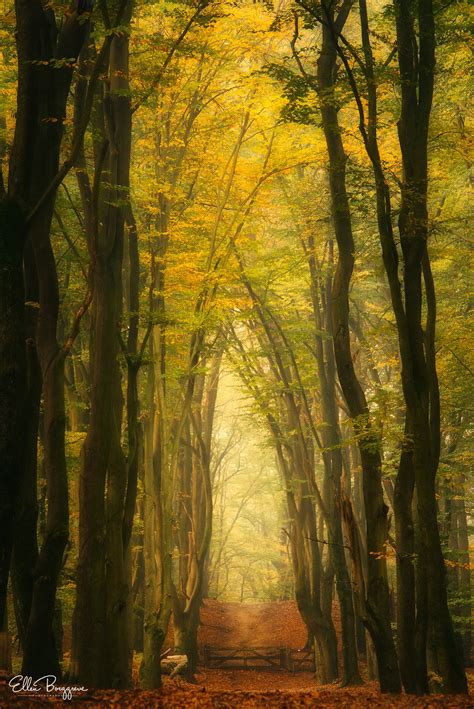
307,570
464,576
13,378
411,673
38,42
121,479
157,546
376,603
158,493
91,605
332,458
103,582
25,550
195,512
416,57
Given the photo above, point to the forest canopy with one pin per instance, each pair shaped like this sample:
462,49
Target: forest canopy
235,332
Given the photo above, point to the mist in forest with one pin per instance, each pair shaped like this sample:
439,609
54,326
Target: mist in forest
249,551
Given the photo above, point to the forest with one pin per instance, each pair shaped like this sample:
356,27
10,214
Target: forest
236,362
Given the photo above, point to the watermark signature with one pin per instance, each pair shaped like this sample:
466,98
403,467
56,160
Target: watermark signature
44,686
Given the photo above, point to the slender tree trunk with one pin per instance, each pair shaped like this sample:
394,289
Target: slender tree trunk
419,378
103,570
158,504
376,604
13,378
464,578
42,97
76,402
90,603
158,599
195,510
121,480
25,550
307,573
333,462
138,588
150,670
41,652
411,673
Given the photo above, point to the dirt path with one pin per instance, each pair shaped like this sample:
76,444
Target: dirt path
276,624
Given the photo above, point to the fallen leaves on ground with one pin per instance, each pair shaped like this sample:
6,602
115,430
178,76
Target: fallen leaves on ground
177,694
250,625
275,624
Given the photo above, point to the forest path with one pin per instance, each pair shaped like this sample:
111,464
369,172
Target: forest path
273,624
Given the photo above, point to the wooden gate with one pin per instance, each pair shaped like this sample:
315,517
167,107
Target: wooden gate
301,661
258,658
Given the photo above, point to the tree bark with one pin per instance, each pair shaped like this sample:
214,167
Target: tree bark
13,378
195,512
332,458
41,108
416,63
103,582
25,549
376,604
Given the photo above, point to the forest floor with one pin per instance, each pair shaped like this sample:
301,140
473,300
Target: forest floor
276,624
264,691
249,625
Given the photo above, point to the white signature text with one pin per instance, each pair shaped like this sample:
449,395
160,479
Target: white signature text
47,683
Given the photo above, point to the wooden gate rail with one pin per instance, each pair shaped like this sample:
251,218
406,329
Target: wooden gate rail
301,661
258,658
